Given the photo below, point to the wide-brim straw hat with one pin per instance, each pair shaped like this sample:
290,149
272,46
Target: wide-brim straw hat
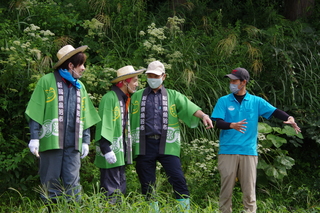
67,52
126,72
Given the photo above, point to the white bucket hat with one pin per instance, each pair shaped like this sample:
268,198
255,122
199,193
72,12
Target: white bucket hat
125,73
67,52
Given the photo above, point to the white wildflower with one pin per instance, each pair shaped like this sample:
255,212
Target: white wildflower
142,33
34,27
176,20
158,48
26,30
147,44
150,59
36,52
156,32
167,66
261,137
17,43
47,33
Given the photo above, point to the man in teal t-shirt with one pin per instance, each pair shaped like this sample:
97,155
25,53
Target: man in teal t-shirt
237,116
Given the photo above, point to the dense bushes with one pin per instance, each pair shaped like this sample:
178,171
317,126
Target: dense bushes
198,42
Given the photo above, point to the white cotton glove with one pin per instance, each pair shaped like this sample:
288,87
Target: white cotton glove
111,157
34,147
85,150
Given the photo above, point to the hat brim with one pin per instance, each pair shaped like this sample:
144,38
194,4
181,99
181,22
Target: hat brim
233,77
156,72
128,75
69,55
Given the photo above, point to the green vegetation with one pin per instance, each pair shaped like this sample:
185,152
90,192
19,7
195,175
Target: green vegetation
199,41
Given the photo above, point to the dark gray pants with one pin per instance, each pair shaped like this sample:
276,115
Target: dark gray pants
146,169
60,173
113,181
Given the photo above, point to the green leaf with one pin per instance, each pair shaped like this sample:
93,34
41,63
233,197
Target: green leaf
276,140
264,128
262,164
277,173
299,135
297,142
278,130
289,130
272,172
282,172
266,143
286,161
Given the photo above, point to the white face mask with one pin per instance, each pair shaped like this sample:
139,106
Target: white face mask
154,83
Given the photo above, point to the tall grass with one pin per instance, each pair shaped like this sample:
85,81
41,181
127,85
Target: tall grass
202,43
274,199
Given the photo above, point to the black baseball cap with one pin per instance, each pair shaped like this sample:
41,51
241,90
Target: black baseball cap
239,73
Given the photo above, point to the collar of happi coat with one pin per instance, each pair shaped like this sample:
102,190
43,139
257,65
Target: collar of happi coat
127,134
59,83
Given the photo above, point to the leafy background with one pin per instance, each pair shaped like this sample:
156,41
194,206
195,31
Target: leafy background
199,41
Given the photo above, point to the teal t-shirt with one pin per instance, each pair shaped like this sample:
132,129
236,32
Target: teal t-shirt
229,109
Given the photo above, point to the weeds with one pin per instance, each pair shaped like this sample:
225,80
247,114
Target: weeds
199,43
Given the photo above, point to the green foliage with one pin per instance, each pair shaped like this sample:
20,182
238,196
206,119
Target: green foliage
199,158
23,59
273,160
97,80
199,42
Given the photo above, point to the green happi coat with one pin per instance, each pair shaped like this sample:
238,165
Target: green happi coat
179,107
43,108
111,129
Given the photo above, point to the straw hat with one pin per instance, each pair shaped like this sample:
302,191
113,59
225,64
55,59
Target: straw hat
67,52
125,73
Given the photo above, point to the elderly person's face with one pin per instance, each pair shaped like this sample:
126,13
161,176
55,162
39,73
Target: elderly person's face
132,86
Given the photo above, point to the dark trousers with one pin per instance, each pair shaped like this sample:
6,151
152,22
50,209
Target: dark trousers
146,169
113,181
60,172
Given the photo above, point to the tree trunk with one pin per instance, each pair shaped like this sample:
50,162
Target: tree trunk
298,8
